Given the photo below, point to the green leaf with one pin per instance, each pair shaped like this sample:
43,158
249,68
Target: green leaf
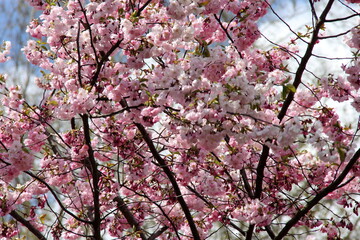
205,52
291,88
255,106
342,154
203,4
214,101
217,162
284,92
42,218
286,80
52,103
2,78
287,89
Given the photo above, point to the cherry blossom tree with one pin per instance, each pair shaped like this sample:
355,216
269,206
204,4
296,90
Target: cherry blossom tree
163,120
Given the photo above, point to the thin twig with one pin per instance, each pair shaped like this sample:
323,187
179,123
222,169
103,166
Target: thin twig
341,19
323,193
57,198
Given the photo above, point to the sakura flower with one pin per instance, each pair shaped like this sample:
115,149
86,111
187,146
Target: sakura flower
5,50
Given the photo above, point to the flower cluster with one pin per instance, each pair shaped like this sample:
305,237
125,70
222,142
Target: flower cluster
5,50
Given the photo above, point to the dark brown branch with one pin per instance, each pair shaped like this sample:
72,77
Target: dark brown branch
129,216
103,60
335,36
313,11
305,59
90,162
158,233
72,123
210,205
223,28
27,224
345,183
117,112
260,171
270,232
250,231
5,148
87,26
79,55
323,193
172,179
242,232
42,120
227,34
142,8
259,182
246,183
341,19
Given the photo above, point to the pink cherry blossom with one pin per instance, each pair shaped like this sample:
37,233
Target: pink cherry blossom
173,120
4,51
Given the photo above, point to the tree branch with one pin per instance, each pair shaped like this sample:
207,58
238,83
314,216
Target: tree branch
129,216
249,232
79,55
227,33
87,26
27,224
284,22
246,183
104,59
270,232
259,183
158,233
172,179
56,197
260,171
162,211
335,36
323,193
341,19
210,205
242,232
142,8
90,162
305,59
